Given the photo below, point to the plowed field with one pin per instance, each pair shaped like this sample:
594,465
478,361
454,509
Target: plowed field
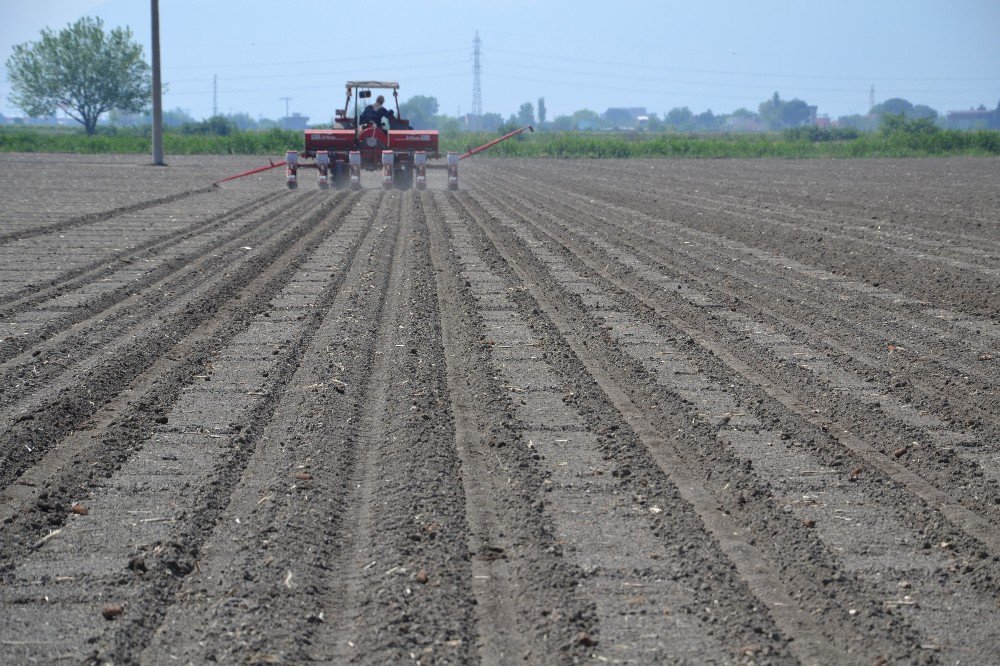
643,411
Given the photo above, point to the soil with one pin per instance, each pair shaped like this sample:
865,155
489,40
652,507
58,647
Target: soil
645,411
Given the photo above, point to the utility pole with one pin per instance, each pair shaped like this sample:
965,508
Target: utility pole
157,91
287,100
477,90
215,95
871,99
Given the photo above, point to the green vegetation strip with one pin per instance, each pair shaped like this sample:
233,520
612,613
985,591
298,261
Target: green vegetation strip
799,143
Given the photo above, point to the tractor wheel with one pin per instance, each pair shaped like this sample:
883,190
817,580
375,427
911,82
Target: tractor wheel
338,175
402,177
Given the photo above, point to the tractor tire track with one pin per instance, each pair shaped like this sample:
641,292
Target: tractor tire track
738,421
101,268
851,403
580,411
175,506
107,434
126,341
103,216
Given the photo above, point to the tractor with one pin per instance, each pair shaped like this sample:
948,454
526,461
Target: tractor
355,142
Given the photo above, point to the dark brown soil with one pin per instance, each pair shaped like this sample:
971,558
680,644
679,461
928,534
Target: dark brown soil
643,411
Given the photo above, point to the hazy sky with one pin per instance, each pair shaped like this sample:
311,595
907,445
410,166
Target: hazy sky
721,54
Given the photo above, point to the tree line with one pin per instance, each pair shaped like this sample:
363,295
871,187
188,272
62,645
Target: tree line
88,72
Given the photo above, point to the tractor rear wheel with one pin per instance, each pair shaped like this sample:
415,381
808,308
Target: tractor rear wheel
402,177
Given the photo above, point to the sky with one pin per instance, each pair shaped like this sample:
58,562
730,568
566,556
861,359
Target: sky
719,55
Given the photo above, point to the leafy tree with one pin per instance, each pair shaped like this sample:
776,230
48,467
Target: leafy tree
898,124
619,117
562,124
541,111
490,122
509,125
585,119
82,70
242,120
172,118
218,125
449,126
679,117
894,106
707,121
858,122
526,114
779,114
419,110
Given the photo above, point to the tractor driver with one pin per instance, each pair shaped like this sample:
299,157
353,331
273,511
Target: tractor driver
374,113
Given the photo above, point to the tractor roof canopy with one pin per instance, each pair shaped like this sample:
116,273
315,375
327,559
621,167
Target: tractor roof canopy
373,84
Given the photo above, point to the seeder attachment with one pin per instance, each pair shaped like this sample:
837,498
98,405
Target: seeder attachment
354,159
420,166
388,161
323,166
453,171
291,169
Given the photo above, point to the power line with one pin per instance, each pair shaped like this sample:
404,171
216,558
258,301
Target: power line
635,65
274,63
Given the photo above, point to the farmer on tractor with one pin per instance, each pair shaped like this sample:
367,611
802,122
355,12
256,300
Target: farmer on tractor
374,113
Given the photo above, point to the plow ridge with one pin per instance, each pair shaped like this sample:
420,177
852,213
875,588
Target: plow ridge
629,412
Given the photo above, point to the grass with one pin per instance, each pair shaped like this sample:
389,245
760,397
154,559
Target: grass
596,145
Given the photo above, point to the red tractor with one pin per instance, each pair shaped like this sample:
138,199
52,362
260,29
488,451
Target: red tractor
382,141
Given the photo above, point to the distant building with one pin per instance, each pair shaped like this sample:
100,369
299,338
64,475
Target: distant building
823,122
973,119
296,121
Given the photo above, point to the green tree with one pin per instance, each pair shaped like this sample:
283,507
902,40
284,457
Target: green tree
419,110
585,119
490,122
898,124
562,123
541,111
618,117
893,107
679,117
526,114
82,70
779,114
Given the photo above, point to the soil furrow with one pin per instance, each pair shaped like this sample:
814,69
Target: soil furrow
117,352
928,439
263,586
739,429
93,218
178,480
764,582
631,411
113,430
516,555
757,266
908,275
101,267
976,522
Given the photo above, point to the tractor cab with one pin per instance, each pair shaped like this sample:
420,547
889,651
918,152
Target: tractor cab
362,92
